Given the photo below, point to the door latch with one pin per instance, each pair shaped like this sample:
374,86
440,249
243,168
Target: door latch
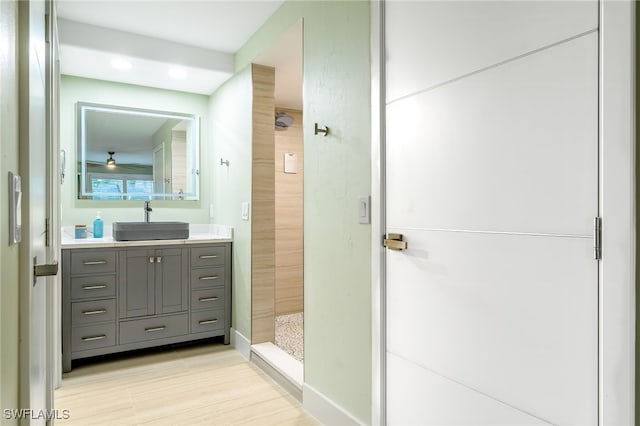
46,270
395,242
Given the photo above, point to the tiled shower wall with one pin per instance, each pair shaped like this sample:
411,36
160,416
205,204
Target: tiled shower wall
289,217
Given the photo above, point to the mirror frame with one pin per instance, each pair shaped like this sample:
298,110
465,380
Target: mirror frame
81,149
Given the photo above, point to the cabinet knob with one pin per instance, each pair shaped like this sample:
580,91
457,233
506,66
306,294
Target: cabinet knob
152,259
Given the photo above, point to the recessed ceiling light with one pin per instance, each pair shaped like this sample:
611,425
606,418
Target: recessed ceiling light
121,64
178,73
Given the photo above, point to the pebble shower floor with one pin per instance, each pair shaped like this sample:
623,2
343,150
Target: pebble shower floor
289,334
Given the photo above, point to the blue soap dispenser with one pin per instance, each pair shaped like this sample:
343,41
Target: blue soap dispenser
98,226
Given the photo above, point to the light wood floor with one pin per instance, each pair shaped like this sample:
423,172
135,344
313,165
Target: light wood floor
207,384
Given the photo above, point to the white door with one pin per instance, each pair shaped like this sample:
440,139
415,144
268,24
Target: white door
492,178
35,391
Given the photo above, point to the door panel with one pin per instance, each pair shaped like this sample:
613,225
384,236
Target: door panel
137,283
172,288
510,316
491,175
460,37
465,142
426,398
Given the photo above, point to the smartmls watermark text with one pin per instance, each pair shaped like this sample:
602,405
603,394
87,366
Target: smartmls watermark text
28,413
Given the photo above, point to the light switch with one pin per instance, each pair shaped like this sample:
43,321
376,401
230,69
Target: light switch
245,211
290,162
364,209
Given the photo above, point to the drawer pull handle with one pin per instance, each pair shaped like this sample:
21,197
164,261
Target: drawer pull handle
97,311
211,321
94,262
209,278
207,299
152,329
208,256
94,287
91,338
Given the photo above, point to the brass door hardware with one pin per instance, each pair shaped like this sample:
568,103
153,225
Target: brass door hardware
395,242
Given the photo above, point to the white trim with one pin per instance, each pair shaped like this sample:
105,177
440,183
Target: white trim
378,368
241,344
325,410
284,364
617,209
277,364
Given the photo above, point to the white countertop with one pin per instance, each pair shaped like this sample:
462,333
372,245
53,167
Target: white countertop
198,234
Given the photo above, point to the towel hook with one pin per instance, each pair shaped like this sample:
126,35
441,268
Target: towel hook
319,130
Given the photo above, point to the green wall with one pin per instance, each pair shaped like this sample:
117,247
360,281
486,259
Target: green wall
75,89
230,124
9,258
337,277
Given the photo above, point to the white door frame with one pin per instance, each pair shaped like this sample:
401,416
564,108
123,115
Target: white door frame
31,38
54,284
617,301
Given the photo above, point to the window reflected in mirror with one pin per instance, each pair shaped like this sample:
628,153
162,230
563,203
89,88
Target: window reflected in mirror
135,154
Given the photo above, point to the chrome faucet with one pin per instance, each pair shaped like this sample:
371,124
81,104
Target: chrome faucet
147,210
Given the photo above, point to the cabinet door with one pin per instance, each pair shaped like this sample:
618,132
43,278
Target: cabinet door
137,282
171,280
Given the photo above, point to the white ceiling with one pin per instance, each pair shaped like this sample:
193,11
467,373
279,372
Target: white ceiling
199,37
221,25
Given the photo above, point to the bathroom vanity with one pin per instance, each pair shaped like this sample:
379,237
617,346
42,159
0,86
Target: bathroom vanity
120,296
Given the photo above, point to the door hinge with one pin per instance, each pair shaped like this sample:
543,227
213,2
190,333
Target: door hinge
597,238
47,233
47,26
395,242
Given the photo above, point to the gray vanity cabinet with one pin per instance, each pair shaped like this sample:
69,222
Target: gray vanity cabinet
153,281
89,303
131,297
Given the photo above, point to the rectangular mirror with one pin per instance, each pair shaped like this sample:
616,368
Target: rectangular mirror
135,154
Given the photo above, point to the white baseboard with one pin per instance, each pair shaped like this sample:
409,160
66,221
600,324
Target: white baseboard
282,362
325,410
241,343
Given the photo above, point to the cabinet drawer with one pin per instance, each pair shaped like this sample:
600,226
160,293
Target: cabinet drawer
92,262
153,328
93,311
93,337
208,256
207,277
209,298
93,287
206,321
